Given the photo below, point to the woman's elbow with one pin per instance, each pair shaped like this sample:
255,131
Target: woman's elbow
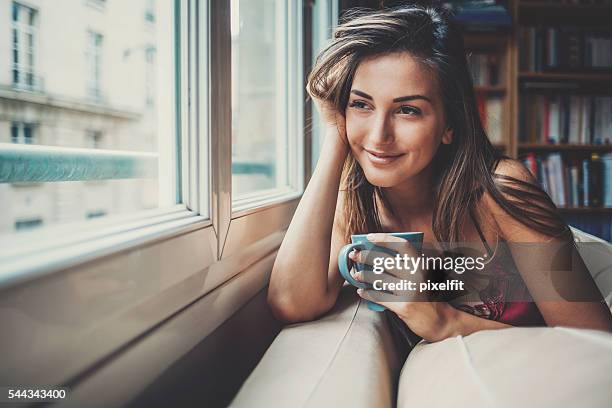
289,310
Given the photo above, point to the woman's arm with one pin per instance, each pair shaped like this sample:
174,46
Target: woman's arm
305,281
463,323
535,263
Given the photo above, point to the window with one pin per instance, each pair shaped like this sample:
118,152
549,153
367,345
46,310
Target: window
27,224
150,11
141,239
96,214
94,64
22,133
150,76
95,139
114,157
324,20
266,66
97,4
24,37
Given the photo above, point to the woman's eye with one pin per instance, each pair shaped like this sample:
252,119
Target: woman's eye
408,110
358,105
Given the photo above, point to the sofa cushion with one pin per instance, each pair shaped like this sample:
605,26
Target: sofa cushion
597,256
346,358
515,367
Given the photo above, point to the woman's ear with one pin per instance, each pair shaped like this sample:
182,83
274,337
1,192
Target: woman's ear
447,137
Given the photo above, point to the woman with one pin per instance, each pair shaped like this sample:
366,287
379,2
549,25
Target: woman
405,150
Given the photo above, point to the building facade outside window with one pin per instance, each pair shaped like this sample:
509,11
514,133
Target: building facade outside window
126,135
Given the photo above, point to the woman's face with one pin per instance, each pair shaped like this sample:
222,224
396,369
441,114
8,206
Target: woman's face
394,118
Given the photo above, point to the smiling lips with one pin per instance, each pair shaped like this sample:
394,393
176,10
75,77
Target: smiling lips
381,158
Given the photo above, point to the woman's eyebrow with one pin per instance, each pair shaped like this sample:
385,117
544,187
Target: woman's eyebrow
400,99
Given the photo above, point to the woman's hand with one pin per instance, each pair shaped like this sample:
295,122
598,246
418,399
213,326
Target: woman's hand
433,321
334,122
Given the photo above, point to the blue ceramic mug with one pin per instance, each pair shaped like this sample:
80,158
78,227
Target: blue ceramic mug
360,242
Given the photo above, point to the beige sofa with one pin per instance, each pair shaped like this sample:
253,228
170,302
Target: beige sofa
348,358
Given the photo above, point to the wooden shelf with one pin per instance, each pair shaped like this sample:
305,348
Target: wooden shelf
586,210
533,5
539,12
566,76
565,147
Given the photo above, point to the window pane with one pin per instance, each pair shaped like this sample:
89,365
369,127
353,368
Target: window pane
107,92
259,96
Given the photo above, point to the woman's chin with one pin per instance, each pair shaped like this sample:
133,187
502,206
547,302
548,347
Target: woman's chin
381,180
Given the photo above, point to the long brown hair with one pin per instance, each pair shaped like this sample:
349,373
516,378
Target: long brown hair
464,169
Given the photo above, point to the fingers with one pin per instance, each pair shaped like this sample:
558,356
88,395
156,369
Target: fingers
382,237
392,243
378,262
391,302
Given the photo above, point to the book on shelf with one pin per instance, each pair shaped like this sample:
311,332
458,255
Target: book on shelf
480,16
599,225
550,49
491,109
590,186
573,182
568,2
562,118
484,68
606,159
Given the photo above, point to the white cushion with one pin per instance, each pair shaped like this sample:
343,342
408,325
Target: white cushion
346,358
515,367
597,256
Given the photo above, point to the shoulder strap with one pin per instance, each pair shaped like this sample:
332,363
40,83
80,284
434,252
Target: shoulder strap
482,237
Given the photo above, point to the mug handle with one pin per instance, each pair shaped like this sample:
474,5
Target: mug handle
346,274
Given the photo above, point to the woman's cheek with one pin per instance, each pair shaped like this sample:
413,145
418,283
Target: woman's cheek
354,130
421,136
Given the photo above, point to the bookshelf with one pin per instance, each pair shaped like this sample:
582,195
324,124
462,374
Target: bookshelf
564,147
555,64
529,54
488,55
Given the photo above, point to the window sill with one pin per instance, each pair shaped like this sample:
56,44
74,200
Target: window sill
263,200
29,255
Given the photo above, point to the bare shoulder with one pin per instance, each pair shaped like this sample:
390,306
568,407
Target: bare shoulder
518,189
514,169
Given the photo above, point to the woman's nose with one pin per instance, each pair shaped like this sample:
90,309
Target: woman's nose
381,131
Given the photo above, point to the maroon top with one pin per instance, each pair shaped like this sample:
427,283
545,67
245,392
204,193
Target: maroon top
499,292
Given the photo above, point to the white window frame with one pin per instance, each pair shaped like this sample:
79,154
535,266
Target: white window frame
245,214
289,133
174,255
